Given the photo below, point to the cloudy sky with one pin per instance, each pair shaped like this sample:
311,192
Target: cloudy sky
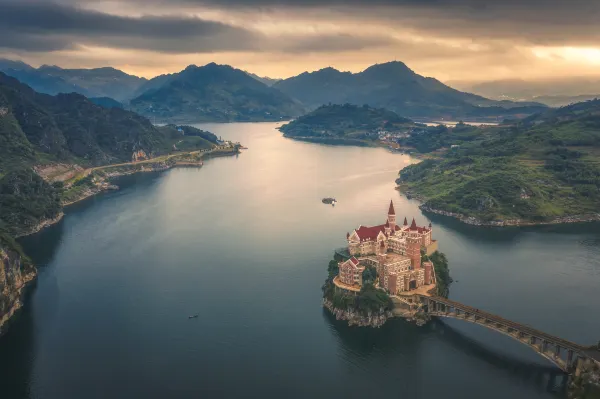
447,39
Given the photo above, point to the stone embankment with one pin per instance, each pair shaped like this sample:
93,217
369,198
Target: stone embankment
513,222
355,318
15,274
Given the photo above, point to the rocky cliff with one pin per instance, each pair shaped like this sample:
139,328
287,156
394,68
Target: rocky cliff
355,318
15,273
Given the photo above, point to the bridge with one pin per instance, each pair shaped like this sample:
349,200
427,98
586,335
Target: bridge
566,355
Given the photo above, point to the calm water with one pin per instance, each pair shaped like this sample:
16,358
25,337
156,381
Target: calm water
244,243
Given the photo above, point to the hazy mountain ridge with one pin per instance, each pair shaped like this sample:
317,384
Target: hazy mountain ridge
553,92
96,82
396,87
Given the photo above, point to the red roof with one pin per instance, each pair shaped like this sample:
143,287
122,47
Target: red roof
414,227
370,233
391,211
354,260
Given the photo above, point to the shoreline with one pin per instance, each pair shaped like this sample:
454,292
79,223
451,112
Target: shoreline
472,220
475,221
144,167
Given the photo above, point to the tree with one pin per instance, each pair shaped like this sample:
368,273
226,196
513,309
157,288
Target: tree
369,275
333,268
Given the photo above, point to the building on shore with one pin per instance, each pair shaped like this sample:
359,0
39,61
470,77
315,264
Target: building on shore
394,251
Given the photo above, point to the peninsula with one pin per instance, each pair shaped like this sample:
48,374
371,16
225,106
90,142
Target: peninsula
349,125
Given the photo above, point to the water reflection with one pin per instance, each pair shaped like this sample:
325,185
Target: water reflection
401,345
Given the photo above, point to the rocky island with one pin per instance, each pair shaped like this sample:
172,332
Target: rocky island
378,275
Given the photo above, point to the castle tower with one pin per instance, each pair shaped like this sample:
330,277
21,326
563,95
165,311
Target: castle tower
381,261
413,251
392,217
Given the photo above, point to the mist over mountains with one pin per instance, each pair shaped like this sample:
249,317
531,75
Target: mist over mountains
552,92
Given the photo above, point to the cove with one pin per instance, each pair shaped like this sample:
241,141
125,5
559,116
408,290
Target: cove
244,243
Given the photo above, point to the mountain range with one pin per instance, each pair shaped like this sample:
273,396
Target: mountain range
396,87
97,82
221,93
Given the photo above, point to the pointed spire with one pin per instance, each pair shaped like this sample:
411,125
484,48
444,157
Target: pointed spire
391,211
413,225
347,236
405,221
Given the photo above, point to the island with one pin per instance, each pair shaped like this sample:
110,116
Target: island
378,275
541,170
349,125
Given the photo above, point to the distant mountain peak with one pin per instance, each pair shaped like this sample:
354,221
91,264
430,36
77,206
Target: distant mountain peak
389,68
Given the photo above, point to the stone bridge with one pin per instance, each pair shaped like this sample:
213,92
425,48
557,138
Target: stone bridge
568,356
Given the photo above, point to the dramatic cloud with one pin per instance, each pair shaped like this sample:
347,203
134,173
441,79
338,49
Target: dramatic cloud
448,39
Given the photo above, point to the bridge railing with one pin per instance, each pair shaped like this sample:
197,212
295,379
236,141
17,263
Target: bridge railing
508,323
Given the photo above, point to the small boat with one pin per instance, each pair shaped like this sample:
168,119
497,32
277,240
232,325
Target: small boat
193,316
329,200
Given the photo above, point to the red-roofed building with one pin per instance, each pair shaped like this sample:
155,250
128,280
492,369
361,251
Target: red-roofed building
351,272
394,250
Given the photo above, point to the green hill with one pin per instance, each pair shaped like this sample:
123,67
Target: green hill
346,123
216,93
543,169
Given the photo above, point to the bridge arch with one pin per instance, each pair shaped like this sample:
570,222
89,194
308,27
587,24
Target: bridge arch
564,354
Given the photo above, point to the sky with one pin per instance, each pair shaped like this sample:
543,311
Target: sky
452,40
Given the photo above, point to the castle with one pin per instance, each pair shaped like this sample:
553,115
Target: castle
395,252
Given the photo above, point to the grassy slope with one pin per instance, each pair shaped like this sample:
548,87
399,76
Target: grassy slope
544,168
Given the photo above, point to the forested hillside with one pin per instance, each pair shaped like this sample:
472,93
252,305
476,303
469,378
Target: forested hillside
544,168
38,129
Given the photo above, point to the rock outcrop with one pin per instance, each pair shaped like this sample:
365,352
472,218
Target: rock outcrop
15,273
356,318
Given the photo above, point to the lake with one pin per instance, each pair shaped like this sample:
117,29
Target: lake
244,243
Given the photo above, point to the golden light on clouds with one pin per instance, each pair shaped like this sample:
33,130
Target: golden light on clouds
446,39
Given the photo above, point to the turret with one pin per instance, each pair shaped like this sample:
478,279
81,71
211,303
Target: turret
392,217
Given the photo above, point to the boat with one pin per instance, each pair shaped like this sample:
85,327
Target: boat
193,316
329,200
